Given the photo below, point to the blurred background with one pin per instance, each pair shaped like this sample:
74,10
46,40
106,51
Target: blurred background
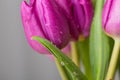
17,60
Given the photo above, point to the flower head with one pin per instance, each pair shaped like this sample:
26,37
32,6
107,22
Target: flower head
111,18
45,19
83,14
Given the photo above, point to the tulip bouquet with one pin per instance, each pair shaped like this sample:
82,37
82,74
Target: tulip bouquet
75,34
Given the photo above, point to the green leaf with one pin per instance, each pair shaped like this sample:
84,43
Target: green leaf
62,70
99,51
74,71
83,49
99,45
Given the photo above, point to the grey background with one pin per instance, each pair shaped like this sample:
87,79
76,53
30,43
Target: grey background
17,60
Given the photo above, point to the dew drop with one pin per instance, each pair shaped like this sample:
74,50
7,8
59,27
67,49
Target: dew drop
59,40
74,73
61,32
46,24
62,63
77,79
78,26
31,38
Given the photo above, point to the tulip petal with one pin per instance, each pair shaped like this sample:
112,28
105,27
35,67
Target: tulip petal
111,17
106,11
89,12
67,6
53,21
32,27
83,14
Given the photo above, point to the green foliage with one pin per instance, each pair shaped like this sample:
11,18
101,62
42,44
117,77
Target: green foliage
83,49
101,46
71,68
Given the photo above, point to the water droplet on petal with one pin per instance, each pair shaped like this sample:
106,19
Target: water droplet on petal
59,40
78,26
61,32
31,38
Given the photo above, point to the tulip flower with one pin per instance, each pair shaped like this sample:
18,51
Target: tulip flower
111,18
67,6
45,19
83,14
111,25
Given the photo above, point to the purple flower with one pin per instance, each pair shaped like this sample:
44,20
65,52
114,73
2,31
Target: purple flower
111,18
79,14
67,6
46,19
59,21
83,14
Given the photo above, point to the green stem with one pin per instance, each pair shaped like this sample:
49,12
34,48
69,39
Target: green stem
83,47
113,61
61,70
96,43
74,54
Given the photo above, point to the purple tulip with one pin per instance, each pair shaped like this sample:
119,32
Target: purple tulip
111,18
83,14
67,6
79,14
45,19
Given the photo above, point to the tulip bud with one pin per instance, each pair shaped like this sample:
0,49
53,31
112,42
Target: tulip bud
53,21
67,6
83,14
111,18
43,18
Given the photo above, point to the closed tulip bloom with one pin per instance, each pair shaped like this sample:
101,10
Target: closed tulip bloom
111,18
83,14
67,6
53,21
45,19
